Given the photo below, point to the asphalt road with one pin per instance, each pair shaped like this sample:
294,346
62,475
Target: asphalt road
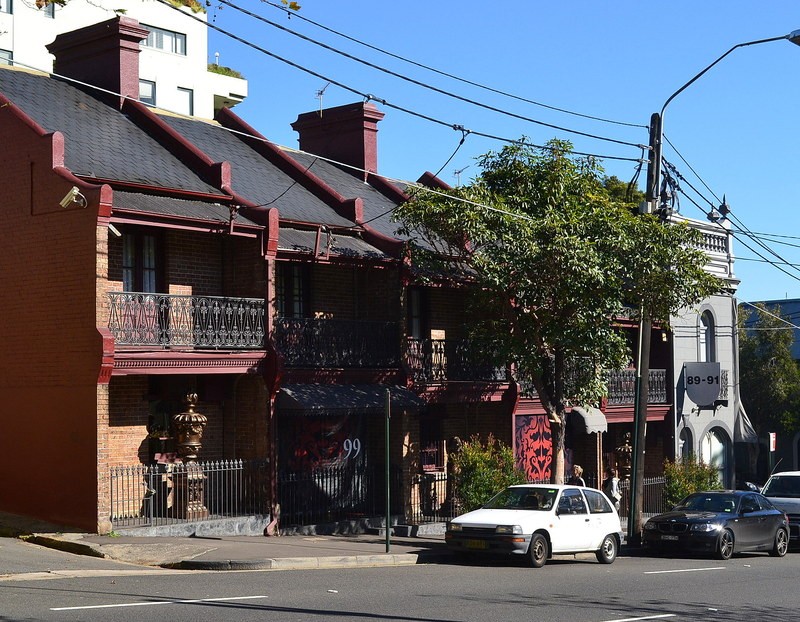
752,588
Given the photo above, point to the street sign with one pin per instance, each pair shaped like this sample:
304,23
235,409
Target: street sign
773,441
702,382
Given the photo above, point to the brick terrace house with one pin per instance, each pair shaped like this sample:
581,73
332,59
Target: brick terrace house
199,259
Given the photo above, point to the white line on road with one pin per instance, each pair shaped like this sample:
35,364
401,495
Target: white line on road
655,617
685,570
157,602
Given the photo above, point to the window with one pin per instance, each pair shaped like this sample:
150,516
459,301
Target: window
707,344
598,502
166,40
49,10
417,304
186,101
6,6
147,92
6,57
571,502
685,444
140,262
291,290
714,452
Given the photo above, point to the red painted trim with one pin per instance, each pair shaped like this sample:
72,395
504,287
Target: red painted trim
174,362
432,181
624,414
107,358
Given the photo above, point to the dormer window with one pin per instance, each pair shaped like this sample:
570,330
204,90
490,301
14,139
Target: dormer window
165,40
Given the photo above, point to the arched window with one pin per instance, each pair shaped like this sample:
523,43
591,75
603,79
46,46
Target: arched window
708,350
714,452
685,444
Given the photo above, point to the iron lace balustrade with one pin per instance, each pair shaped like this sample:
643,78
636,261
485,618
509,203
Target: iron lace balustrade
163,320
320,343
622,386
437,360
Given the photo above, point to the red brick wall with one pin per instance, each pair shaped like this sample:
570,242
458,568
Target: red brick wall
51,348
355,293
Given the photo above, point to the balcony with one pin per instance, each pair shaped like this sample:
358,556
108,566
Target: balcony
622,386
324,343
439,360
203,322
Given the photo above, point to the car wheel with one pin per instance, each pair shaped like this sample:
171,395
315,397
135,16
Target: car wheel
781,544
725,545
607,552
538,551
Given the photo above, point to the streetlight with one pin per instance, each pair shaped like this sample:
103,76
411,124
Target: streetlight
653,204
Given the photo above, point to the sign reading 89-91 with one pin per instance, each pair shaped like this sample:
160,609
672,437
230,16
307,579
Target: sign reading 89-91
702,382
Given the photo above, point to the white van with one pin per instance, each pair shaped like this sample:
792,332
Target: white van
783,489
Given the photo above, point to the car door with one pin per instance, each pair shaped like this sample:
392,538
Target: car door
749,522
571,525
602,518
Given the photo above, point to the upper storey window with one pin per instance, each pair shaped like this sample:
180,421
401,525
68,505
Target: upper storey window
6,6
162,39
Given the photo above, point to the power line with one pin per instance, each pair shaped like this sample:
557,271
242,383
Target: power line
427,86
449,75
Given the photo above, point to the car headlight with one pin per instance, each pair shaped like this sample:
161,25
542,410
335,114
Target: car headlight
455,527
513,529
704,527
650,526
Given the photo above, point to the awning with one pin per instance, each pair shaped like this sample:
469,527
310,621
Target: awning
311,399
591,420
743,431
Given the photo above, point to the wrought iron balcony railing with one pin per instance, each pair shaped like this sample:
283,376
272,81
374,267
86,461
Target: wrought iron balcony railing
438,360
622,386
323,343
163,320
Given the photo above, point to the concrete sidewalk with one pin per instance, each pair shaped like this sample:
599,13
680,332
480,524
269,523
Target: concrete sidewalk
234,552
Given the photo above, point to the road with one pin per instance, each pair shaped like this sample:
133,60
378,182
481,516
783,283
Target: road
747,588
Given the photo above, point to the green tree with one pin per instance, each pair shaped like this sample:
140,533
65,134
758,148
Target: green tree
769,378
688,476
482,470
553,258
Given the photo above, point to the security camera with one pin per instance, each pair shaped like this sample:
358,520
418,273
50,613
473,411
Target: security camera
73,196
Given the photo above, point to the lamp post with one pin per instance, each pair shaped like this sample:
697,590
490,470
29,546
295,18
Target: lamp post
653,205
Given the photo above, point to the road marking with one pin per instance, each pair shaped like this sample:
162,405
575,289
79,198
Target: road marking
158,602
685,570
655,617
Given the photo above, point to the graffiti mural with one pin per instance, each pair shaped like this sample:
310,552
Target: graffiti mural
534,446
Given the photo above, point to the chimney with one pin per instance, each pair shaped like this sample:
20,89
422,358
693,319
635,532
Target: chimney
104,55
347,134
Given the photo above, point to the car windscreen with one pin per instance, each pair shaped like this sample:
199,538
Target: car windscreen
701,502
523,499
782,486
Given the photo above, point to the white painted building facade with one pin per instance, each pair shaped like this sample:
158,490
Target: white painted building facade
174,61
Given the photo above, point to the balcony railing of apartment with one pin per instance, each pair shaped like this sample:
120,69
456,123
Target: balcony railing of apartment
622,386
437,360
163,320
320,343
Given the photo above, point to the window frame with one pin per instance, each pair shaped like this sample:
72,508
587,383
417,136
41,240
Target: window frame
146,267
157,39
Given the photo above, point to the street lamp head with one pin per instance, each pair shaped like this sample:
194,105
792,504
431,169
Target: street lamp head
794,37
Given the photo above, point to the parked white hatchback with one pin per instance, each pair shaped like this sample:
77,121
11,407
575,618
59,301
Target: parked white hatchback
539,520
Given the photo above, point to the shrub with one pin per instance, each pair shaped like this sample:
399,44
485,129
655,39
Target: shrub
481,470
688,476
225,71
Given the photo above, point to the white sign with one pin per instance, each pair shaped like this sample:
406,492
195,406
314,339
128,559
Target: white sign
773,441
702,382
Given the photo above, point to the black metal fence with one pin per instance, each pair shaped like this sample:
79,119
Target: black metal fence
162,494
652,497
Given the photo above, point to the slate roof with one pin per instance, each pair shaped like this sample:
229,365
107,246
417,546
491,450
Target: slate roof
179,208
99,139
254,177
376,205
304,241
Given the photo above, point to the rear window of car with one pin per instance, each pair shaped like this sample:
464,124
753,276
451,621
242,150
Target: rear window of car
782,486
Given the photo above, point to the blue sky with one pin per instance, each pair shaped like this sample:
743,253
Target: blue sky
736,127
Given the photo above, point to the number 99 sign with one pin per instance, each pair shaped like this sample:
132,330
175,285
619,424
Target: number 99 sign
351,448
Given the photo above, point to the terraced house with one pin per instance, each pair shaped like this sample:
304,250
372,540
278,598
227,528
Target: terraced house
201,325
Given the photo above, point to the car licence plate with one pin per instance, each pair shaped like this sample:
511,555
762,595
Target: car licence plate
669,537
477,544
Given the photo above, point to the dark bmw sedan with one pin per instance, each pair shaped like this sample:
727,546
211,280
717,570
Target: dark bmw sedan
721,523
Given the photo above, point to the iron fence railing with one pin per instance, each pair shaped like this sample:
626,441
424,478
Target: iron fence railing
162,494
165,320
622,386
652,497
437,360
318,343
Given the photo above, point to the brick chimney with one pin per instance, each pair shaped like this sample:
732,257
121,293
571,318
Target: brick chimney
104,55
347,134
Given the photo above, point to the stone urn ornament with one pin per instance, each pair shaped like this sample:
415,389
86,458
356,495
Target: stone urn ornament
189,427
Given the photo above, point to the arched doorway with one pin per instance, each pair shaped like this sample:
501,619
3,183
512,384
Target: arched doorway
714,451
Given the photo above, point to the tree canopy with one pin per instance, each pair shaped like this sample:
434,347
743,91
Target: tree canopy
554,259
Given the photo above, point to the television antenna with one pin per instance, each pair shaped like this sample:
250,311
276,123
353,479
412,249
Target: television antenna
319,95
458,174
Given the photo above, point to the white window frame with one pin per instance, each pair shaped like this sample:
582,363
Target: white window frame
143,96
6,57
7,6
187,105
165,40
